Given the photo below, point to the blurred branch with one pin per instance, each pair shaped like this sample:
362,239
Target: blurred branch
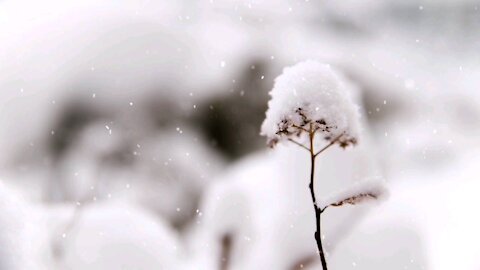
59,244
226,251
303,263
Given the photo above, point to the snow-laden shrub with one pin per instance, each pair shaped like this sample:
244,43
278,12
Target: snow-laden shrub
311,98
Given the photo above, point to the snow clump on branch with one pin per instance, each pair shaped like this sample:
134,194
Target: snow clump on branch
311,97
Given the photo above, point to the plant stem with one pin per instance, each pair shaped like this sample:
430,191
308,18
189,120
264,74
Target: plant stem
318,211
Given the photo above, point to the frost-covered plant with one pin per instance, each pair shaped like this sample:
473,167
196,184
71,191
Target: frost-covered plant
307,100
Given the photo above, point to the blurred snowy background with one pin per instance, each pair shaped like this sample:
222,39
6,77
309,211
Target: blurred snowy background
129,134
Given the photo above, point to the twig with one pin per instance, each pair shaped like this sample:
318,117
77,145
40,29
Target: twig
295,126
318,211
299,144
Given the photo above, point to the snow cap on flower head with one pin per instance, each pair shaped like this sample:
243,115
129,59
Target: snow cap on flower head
311,95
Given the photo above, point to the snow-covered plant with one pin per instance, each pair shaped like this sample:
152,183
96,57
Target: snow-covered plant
311,100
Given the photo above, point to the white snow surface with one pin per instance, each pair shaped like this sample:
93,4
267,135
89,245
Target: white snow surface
20,234
109,235
321,92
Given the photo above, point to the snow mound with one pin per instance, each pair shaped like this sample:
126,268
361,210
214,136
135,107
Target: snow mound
19,234
115,235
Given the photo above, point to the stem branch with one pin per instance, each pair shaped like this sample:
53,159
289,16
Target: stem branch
299,144
318,211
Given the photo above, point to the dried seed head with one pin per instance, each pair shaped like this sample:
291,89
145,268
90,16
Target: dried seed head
311,97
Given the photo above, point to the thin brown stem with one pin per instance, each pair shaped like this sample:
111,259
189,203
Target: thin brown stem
318,211
299,144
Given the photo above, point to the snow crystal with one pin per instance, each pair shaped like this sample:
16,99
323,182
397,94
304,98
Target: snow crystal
311,94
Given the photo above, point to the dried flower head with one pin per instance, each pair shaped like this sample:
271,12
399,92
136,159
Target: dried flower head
311,96
356,199
356,194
